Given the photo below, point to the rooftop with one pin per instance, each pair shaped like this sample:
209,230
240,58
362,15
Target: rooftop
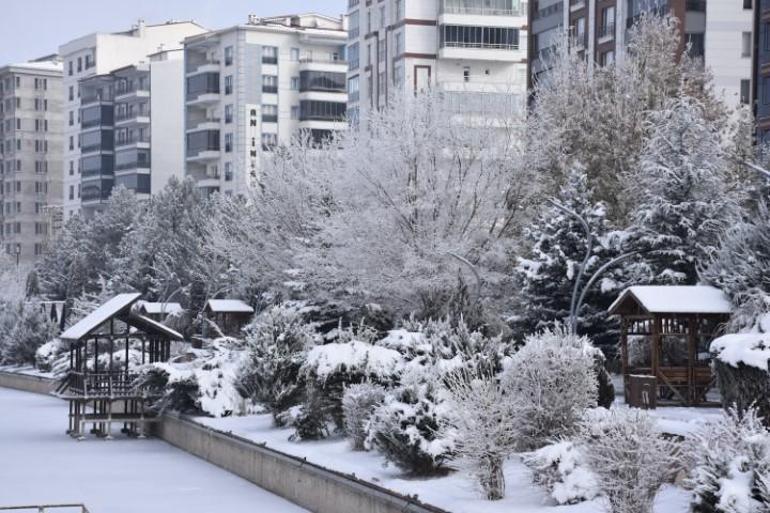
682,299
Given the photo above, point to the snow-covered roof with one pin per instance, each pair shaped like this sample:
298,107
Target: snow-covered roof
228,306
160,308
92,321
148,325
683,299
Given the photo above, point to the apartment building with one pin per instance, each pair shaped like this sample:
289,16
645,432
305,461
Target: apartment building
598,28
728,48
108,91
30,155
472,49
252,87
760,94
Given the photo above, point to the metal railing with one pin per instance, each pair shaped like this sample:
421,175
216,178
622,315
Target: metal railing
480,11
102,383
43,508
484,46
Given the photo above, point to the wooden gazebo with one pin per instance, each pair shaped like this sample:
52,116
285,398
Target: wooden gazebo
665,334
101,384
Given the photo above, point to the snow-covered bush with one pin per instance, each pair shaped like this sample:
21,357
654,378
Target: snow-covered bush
629,457
30,328
358,403
561,469
553,378
53,356
405,428
276,342
482,426
742,366
731,465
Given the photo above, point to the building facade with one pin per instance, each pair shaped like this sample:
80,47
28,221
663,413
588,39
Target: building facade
761,69
728,48
252,87
31,124
102,73
400,47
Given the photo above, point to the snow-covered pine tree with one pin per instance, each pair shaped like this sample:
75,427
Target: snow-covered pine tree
558,247
32,329
683,199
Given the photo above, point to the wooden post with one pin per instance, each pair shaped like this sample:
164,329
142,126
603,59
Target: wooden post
624,354
692,333
654,351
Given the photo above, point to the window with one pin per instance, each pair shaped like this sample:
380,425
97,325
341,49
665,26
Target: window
228,56
321,110
228,143
765,90
353,89
353,25
321,81
608,22
270,113
398,45
229,84
382,16
353,56
69,66
72,118
228,113
80,64
269,84
479,37
294,54
607,58
294,83
72,192
295,112
766,36
72,93
746,44
269,141
368,21
228,171
399,9
745,91
269,55
748,4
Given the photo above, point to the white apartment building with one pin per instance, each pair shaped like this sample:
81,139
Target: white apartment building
729,44
457,46
30,156
252,87
90,102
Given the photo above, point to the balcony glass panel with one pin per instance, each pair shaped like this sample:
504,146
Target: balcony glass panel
321,81
311,110
205,140
204,83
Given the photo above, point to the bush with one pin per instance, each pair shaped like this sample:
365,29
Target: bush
561,468
53,356
276,344
629,457
405,429
731,465
30,328
358,403
553,377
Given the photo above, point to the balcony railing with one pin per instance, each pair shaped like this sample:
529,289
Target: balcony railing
122,91
321,60
484,46
482,10
131,115
45,508
192,67
131,140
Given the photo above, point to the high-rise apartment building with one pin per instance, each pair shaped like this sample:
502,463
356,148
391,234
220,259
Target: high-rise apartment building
30,155
728,48
108,87
399,47
252,87
761,68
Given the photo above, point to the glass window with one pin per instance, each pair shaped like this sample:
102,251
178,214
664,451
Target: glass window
269,55
746,44
228,55
294,54
228,113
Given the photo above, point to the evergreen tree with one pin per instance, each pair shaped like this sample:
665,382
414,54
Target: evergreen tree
558,247
684,201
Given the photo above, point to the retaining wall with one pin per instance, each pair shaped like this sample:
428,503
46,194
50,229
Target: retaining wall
27,383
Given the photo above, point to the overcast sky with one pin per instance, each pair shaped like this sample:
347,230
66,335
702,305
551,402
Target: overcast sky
32,28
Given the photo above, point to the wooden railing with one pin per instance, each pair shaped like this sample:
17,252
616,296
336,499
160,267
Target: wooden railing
43,508
102,384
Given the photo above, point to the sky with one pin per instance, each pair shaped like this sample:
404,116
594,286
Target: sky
33,28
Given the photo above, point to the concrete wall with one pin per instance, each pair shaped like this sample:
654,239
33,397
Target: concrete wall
27,383
305,484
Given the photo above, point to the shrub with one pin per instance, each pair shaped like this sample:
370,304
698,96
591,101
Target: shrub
554,379
731,465
405,429
31,328
561,468
630,458
358,403
276,344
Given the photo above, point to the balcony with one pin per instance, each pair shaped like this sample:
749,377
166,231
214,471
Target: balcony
482,8
139,142
132,118
125,93
204,124
270,89
207,66
203,89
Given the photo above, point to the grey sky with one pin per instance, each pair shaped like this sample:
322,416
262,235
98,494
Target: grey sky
32,28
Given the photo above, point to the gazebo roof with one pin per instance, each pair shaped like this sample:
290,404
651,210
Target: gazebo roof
228,306
674,299
119,307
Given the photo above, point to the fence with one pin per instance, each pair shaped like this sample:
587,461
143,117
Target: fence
44,508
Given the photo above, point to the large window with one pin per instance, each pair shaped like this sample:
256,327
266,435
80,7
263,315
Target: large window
97,140
479,37
269,84
321,111
269,55
132,159
353,25
97,115
353,89
270,113
205,140
97,165
353,56
135,182
203,83
485,7
321,81
607,28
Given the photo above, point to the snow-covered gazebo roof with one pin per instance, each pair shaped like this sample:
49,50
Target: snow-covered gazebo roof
160,308
673,299
228,306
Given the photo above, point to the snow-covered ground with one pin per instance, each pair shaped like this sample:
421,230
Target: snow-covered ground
454,492
40,464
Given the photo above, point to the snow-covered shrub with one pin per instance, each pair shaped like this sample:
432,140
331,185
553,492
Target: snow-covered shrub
358,403
276,342
53,356
629,457
561,469
328,369
310,420
553,378
31,329
731,465
405,428
482,426
742,366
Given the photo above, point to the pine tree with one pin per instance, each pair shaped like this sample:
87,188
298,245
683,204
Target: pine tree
684,202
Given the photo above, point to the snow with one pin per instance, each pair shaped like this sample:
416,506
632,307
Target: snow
161,308
228,306
99,316
454,492
677,299
40,464
752,349
366,358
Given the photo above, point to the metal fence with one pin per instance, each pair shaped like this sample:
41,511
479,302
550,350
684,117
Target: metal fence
43,508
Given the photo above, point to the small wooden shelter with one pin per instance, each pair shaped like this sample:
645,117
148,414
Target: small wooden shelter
665,333
159,311
101,384
230,315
